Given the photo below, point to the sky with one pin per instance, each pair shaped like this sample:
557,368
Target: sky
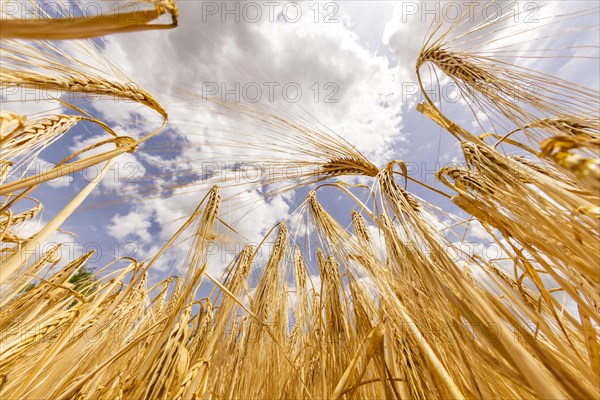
346,67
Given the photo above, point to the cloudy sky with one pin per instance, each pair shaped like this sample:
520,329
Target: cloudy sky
346,67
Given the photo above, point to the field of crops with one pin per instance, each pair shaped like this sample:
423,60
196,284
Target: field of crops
400,310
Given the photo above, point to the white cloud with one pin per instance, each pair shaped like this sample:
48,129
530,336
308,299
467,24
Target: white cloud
133,225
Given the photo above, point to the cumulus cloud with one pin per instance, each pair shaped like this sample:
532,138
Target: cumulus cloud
133,225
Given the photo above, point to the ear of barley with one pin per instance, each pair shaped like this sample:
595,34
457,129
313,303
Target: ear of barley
264,300
463,180
359,226
474,58
21,217
397,196
79,84
36,134
349,166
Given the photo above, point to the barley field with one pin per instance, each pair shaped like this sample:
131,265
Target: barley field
288,250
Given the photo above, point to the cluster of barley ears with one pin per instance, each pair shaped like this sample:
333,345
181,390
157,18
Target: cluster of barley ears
390,307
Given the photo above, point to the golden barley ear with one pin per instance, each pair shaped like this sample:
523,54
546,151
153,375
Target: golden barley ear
481,58
77,82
